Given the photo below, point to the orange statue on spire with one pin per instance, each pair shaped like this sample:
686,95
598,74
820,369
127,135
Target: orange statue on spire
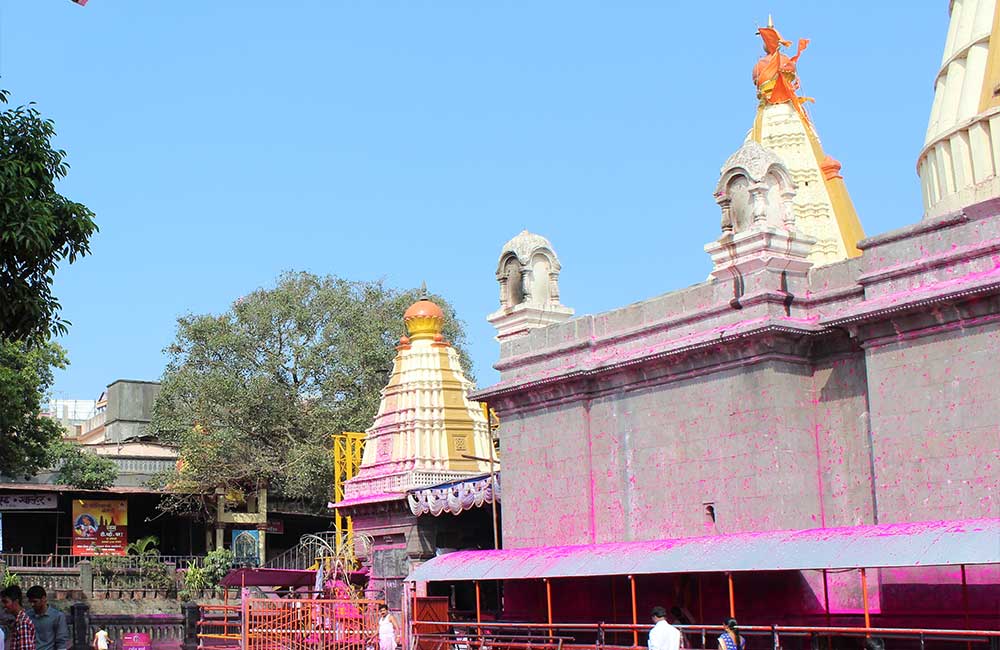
775,73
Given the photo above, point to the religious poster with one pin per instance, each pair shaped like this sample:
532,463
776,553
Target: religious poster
100,527
246,547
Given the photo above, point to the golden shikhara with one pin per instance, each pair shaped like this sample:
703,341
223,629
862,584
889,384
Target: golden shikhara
427,431
823,207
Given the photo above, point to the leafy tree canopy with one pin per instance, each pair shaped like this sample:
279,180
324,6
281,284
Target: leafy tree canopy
26,375
252,396
38,226
81,468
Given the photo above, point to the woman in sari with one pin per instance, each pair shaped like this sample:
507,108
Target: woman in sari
730,638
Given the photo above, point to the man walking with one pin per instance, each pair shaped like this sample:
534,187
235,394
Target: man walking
50,624
663,636
22,631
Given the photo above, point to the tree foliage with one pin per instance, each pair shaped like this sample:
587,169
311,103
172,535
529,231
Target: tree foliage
38,226
252,396
81,468
26,375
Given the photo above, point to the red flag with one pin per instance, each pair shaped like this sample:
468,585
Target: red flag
82,3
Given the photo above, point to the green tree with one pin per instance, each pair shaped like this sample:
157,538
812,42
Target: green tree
251,396
38,226
26,375
81,468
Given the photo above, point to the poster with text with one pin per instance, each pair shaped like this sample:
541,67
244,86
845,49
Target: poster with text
100,527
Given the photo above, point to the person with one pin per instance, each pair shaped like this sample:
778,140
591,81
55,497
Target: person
663,636
22,629
730,638
388,629
101,641
51,632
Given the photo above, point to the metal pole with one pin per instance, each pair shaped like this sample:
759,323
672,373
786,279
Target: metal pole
732,597
548,603
864,596
635,619
965,603
826,607
479,617
493,483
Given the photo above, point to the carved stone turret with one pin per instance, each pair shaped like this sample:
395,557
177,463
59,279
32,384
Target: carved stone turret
755,193
528,275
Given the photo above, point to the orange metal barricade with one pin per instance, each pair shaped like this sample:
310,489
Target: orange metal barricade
293,624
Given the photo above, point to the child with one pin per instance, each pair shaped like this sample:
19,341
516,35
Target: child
101,641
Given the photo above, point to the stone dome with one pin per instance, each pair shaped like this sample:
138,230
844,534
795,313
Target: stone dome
524,244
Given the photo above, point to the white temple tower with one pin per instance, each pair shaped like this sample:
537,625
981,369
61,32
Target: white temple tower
958,164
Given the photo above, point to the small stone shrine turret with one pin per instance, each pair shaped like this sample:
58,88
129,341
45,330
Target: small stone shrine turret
528,275
755,193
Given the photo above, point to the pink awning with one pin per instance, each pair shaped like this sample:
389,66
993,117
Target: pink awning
931,543
269,578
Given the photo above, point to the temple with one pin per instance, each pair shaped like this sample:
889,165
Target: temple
426,469
822,206
809,437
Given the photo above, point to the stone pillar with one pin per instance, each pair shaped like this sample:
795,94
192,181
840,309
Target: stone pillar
171,568
261,544
86,577
192,614
80,615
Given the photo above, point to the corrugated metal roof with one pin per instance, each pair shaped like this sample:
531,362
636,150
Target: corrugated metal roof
935,543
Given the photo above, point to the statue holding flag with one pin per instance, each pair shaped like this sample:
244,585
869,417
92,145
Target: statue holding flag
775,73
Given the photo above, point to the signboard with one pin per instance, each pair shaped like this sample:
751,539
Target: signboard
275,527
246,547
27,502
136,641
100,527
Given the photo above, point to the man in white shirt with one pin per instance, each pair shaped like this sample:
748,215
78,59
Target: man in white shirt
663,636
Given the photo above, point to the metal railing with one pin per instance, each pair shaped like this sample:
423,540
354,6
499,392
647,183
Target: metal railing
51,560
304,555
473,635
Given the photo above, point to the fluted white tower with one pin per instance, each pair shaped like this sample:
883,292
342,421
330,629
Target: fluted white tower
961,155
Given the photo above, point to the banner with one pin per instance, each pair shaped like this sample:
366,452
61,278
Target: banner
27,502
100,527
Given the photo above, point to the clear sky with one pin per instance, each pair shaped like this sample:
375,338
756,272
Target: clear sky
221,142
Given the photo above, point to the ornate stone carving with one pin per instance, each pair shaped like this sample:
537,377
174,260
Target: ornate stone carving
755,194
528,275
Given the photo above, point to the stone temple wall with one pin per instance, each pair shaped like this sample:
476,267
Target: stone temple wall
861,392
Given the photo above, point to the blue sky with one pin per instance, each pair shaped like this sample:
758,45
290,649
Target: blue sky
223,142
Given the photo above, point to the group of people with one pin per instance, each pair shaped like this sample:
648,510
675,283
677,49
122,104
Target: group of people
39,628
665,636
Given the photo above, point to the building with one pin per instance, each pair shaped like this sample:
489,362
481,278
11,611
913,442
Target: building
425,475
836,391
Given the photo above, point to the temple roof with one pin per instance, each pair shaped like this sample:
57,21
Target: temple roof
426,431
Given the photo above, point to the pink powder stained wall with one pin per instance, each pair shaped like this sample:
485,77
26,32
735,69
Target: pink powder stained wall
866,392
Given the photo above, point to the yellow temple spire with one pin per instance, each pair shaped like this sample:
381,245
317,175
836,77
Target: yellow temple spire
822,204
427,431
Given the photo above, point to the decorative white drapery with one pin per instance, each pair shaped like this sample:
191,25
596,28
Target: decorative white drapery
454,497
